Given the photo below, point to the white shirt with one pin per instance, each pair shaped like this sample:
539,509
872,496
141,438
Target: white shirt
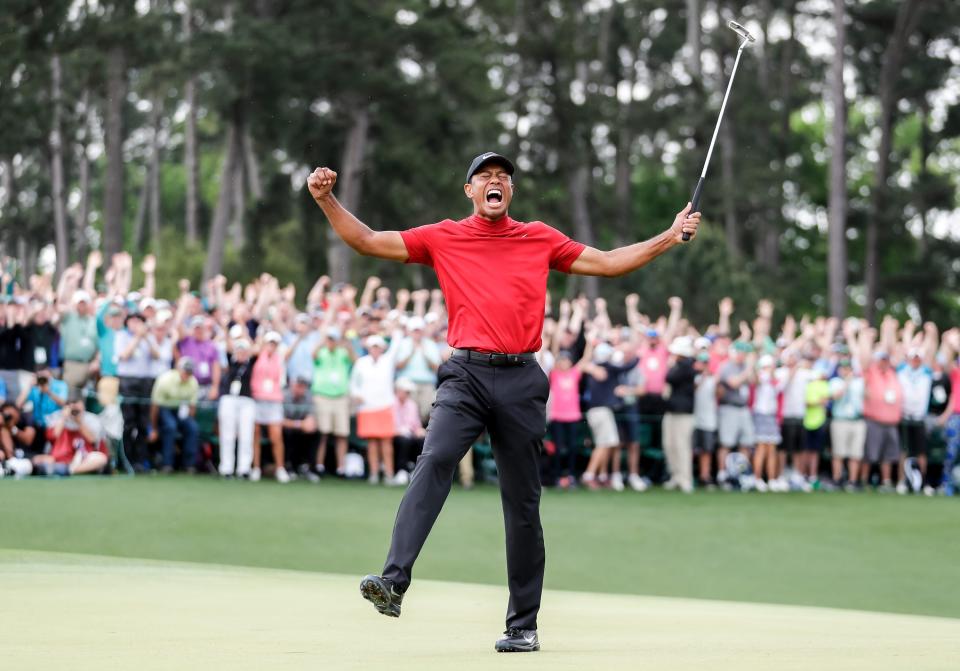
916,384
765,395
705,403
795,391
372,381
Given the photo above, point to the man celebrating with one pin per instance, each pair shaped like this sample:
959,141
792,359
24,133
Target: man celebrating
493,273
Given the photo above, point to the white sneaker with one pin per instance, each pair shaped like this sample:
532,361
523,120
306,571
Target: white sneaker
400,479
761,486
637,483
374,479
282,476
686,488
929,491
670,485
616,482
255,475
902,488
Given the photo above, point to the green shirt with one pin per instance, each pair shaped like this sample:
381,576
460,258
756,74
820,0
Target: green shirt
331,372
170,391
818,391
78,337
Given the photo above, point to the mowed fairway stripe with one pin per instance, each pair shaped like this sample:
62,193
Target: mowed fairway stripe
83,612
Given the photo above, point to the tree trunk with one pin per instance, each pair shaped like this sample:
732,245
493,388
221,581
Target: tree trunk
582,225
113,188
251,166
153,175
693,38
908,14
730,224
140,218
83,176
221,215
190,160
622,184
56,172
837,254
350,181
238,232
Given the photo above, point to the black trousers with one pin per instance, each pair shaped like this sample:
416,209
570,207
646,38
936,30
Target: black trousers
136,392
510,402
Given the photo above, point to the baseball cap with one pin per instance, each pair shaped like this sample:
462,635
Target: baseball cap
652,333
197,321
741,346
880,355
766,360
682,347
302,318
702,343
333,333
302,379
81,296
488,157
272,336
185,364
602,353
415,324
914,352
375,341
237,331
703,356
405,384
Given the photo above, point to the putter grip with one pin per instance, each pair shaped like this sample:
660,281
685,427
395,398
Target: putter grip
695,202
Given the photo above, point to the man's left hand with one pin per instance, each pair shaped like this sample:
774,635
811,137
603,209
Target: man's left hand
685,222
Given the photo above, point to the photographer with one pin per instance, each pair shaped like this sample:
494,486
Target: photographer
45,397
76,445
16,441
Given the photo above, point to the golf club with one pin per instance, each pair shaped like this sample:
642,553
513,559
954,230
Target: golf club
747,37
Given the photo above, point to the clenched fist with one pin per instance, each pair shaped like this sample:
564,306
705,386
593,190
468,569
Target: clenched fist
320,182
685,222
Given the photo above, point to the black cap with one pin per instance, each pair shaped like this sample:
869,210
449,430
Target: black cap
488,157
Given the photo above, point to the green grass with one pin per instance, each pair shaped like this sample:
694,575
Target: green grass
869,552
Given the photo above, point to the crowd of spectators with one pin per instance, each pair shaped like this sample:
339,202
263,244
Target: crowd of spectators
100,377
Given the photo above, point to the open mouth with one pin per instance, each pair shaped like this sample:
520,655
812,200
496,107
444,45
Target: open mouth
494,196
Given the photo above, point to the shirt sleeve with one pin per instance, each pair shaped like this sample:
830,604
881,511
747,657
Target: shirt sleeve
419,242
563,250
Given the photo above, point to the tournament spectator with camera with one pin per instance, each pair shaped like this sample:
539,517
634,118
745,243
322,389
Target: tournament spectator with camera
135,353
76,444
45,397
17,441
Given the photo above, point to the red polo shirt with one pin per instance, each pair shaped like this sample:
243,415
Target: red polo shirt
493,276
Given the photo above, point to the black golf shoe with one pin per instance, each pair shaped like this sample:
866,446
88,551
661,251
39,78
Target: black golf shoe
518,640
382,594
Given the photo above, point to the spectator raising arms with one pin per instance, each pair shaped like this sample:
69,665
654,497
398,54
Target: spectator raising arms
237,411
267,385
371,386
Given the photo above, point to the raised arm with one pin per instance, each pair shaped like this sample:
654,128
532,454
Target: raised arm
623,260
381,244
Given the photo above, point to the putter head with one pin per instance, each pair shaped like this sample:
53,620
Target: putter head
741,31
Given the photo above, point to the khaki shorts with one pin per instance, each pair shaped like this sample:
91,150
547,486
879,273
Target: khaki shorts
603,425
424,394
847,437
333,414
76,374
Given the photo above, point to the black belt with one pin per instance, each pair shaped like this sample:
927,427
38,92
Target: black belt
494,358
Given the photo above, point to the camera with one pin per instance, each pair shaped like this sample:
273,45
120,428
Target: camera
42,380
7,417
75,412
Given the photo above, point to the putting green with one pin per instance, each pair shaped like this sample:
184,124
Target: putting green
85,612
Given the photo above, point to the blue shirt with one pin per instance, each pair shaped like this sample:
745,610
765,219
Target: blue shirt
300,363
43,405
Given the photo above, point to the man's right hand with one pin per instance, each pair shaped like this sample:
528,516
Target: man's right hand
320,183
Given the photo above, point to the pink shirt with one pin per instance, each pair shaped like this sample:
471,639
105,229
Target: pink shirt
266,379
565,395
653,365
955,386
883,399
406,417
